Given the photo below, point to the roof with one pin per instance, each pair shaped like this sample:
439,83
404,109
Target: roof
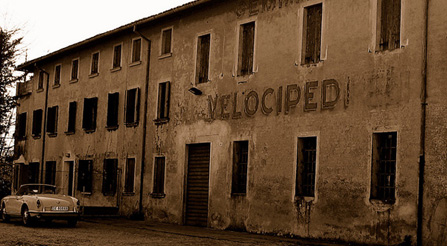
131,25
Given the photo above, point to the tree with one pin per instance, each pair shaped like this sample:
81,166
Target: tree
9,53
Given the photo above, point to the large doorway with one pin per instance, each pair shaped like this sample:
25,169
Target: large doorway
69,177
197,185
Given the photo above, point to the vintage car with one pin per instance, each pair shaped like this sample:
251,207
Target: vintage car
40,201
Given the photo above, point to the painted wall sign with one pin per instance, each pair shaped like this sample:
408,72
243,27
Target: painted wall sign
254,7
281,100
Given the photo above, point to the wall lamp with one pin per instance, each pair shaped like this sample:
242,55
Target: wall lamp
195,91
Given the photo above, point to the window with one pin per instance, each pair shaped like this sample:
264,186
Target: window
240,162
89,115
109,177
313,16
203,58
41,80
132,107
50,172
306,166
72,118
57,75
85,173
112,110
166,41
33,173
136,50
21,126
246,48
74,70
383,175
37,123
388,24
52,121
129,181
94,68
163,101
116,56
159,177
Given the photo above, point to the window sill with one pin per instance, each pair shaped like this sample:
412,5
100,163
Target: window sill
238,194
112,128
88,131
128,193
86,193
39,90
135,63
306,199
381,205
93,75
158,195
73,81
115,69
69,133
163,56
56,86
161,121
52,134
37,136
133,124
314,64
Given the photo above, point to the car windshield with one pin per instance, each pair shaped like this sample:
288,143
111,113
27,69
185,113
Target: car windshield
36,189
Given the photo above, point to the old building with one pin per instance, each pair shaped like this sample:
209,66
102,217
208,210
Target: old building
315,118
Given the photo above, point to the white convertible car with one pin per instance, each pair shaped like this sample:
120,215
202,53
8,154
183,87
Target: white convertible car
39,201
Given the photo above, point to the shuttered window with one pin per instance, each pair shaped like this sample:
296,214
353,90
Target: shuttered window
136,50
85,173
389,29
129,181
52,120
57,75
89,115
132,112
117,56
306,167
72,117
163,101
383,175
94,68
74,69
109,177
240,162
159,176
312,34
21,126
166,41
42,77
112,110
37,123
246,48
50,172
203,58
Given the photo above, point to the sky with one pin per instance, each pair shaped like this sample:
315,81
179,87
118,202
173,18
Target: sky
49,25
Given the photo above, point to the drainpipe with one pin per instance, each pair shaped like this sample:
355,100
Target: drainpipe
44,133
420,214
143,144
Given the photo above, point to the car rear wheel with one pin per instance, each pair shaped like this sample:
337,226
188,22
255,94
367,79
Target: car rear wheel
26,217
5,217
72,222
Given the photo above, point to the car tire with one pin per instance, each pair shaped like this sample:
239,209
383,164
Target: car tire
5,217
26,217
72,222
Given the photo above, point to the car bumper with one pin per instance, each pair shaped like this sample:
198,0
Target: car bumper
54,215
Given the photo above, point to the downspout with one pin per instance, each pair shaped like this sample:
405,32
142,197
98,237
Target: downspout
423,127
44,133
143,144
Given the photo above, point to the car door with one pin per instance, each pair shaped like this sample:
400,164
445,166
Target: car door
14,205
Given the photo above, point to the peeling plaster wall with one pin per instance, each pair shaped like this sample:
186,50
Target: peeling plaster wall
378,92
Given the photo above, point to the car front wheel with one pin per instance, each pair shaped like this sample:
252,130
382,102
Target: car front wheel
26,217
72,222
5,217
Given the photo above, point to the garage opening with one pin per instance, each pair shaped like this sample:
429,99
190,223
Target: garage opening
197,185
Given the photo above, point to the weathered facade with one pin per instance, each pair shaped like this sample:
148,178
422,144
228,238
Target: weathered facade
319,119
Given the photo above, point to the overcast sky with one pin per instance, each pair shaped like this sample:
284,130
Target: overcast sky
49,25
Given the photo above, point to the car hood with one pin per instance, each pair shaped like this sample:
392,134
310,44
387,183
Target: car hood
55,200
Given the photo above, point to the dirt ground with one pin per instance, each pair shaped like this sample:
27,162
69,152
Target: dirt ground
106,231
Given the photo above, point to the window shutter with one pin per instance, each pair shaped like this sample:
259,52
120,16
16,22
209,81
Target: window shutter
137,105
167,99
